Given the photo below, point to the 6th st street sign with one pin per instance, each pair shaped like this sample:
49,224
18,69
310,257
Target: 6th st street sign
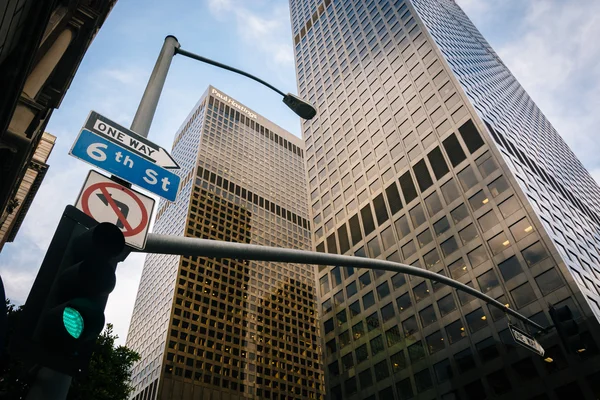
127,155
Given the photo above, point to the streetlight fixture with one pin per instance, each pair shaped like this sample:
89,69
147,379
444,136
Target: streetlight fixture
145,112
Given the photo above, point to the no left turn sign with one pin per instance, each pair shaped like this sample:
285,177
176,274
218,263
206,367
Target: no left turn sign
107,201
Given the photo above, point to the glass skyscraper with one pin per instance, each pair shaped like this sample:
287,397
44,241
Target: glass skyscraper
426,150
226,328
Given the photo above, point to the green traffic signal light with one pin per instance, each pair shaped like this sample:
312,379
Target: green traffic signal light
73,322
64,312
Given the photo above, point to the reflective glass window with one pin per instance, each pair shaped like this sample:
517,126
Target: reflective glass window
523,295
459,213
510,268
446,304
521,228
487,281
368,300
476,320
449,246
455,331
468,233
499,243
498,186
478,200
477,256
409,326
404,302
549,281
441,226
387,312
416,352
534,253
427,316
421,291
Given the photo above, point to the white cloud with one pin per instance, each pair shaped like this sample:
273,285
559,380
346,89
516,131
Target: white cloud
219,7
475,8
120,302
596,175
42,220
17,278
130,76
268,32
118,90
557,61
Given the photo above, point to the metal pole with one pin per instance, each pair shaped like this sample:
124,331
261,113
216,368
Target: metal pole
147,107
165,244
145,112
49,385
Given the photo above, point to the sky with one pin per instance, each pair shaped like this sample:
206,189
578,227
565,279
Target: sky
551,46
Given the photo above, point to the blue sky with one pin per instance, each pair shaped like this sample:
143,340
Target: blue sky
549,45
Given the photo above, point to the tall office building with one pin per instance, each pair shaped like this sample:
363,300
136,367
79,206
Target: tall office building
426,150
228,328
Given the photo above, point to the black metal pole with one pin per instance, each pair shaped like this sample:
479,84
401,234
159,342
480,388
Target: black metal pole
49,385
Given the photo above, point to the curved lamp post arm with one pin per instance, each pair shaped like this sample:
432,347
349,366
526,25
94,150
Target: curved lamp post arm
301,107
179,50
165,244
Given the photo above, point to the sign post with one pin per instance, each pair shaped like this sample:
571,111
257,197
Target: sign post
526,340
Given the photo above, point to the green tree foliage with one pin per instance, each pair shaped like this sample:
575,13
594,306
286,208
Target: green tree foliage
108,377
14,379
109,373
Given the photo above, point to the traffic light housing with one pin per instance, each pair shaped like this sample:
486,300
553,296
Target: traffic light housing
64,312
567,329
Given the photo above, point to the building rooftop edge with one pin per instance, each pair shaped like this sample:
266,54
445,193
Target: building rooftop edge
259,118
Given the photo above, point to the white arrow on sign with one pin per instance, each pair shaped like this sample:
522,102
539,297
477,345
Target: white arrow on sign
130,140
107,201
526,340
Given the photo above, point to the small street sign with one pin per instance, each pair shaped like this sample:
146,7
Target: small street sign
126,164
130,140
107,201
526,340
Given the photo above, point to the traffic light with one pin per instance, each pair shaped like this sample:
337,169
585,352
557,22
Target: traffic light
567,329
64,313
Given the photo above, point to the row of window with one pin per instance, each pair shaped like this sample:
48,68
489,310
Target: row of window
238,152
248,195
539,171
226,379
520,229
548,281
227,112
523,371
409,191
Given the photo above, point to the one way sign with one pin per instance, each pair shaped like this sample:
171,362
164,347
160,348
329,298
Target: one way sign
130,140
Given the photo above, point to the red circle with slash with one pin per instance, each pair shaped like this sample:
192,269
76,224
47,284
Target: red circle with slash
102,186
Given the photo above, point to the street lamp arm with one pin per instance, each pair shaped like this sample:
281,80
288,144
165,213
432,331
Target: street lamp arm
301,107
165,244
227,67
